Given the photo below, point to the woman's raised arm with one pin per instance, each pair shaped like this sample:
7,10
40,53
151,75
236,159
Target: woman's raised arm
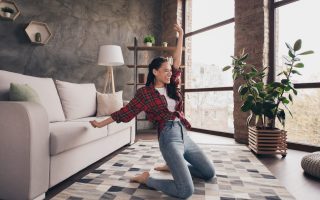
178,52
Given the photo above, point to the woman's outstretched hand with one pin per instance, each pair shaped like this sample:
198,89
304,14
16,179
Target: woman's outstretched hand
101,124
96,124
178,29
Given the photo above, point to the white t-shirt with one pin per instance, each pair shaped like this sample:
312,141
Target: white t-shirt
171,102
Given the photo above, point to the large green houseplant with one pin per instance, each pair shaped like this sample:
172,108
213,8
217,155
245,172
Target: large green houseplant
267,101
264,100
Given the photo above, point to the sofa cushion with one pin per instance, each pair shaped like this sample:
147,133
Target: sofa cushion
78,100
23,92
112,128
108,103
71,134
44,87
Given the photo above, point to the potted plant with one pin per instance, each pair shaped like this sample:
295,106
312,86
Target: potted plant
267,101
149,40
7,11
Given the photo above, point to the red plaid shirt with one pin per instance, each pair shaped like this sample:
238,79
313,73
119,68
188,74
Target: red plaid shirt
148,99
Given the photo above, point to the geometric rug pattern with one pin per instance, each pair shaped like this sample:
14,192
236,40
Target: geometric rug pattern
239,175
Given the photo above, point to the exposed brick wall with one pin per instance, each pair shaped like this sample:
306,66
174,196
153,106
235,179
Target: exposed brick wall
169,16
251,32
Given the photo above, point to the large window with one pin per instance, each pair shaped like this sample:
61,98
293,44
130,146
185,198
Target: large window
210,110
209,43
293,26
297,20
208,12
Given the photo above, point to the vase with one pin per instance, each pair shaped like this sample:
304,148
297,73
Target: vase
149,44
268,141
38,37
7,14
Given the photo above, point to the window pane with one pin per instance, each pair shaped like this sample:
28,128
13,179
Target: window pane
293,25
210,52
209,12
304,127
210,110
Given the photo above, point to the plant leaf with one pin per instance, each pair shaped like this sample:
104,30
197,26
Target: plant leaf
285,81
295,72
297,45
226,68
288,110
306,53
289,46
299,65
290,98
280,73
295,91
291,54
243,57
246,106
243,90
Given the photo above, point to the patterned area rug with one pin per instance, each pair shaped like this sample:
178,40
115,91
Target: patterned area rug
239,175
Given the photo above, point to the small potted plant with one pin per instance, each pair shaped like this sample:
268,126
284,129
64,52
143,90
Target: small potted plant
149,40
264,100
7,11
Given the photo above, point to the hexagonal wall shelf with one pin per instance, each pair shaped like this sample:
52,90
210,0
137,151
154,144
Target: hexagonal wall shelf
7,15
34,29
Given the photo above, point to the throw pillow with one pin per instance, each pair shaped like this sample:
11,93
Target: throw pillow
78,100
23,92
108,103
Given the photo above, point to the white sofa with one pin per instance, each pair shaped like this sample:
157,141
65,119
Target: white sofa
40,146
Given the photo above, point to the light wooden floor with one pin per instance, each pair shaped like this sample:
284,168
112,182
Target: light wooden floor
287,170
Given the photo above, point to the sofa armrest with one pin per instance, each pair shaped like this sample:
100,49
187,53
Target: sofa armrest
24,150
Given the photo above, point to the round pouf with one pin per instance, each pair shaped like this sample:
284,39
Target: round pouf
311,164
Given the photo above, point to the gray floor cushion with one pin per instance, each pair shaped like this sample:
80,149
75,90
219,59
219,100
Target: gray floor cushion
311,164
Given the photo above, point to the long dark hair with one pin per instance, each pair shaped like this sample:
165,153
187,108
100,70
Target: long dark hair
172,90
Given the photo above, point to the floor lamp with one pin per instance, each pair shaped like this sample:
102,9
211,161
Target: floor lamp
110,55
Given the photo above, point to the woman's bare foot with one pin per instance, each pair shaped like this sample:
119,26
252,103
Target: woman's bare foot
162,168
142,178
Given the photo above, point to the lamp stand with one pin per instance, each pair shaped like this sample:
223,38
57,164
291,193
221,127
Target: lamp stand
109,80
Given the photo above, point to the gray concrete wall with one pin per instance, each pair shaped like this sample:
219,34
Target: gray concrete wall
79,27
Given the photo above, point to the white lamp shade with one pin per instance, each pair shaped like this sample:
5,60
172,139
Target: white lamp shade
110,55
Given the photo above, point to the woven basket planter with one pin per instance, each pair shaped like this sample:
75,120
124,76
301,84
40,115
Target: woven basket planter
268,141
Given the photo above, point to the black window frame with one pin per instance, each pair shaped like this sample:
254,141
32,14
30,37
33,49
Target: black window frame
211,89
273,5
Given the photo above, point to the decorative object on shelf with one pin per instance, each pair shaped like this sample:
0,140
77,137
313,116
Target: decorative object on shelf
164,44
41,28
9,10
149,40
263,100
38,37
142,78
170,60
110,55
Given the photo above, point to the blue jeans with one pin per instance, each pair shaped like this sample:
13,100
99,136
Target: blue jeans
176,148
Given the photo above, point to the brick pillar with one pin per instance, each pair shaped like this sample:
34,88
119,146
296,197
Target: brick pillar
251,33
169,16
